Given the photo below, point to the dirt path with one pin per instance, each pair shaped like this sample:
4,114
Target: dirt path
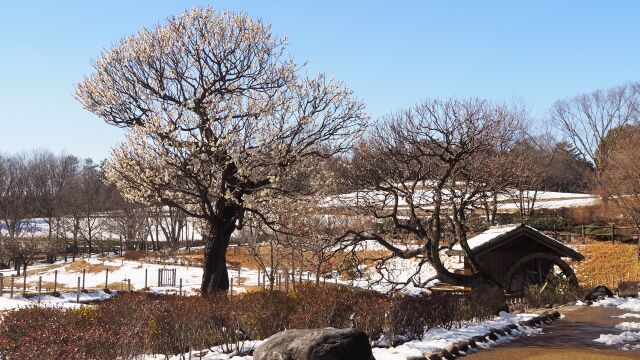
568,339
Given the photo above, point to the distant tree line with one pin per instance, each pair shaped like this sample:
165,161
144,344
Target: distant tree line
51,205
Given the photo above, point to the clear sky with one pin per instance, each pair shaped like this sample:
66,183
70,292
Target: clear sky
391,53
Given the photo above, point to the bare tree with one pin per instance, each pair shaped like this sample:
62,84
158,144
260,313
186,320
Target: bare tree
219,120
593,122
48,175
129,221
15,195
423,166
622,179
93,200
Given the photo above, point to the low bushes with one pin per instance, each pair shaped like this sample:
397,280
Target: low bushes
134,324
556,293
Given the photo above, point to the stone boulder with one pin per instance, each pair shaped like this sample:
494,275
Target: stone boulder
628,288
316,344
598,292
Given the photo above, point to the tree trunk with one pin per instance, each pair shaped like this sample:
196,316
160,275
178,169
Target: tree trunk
215,277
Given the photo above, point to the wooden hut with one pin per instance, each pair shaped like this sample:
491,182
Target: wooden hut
519,256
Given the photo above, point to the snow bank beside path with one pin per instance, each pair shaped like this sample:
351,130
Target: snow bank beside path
629,338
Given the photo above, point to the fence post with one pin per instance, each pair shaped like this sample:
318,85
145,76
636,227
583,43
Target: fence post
78,291
238,273
83,273
258,277
106,279
231,286
174,277
129,285
39,288
613,234
55,281
1,284
181,285
145,278
11,291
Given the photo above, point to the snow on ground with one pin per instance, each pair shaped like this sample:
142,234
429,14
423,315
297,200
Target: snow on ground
629,338
139,274
439,338
544,199
65,300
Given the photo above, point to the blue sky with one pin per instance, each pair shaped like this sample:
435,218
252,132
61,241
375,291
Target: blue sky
392,54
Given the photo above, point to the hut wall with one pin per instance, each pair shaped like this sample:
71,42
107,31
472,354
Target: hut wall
498,261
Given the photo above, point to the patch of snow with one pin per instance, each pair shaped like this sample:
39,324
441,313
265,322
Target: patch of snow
65,300
439,338
487,236
617,339
628,326
629,315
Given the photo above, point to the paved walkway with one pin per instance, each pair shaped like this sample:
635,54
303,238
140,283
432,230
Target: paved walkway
570,338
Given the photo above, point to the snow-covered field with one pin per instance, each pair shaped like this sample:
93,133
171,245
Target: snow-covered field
543,200
629,338
139,275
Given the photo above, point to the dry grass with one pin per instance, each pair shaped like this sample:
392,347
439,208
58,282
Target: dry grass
79,265
608,264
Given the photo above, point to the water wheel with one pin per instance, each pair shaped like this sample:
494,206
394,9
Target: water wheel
539,269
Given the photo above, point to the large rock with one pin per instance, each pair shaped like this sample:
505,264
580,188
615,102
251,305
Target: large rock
598,292
316,344
628,288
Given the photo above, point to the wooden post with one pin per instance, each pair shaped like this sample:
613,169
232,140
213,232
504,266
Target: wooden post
55,281
613,234
106,279
159,275
39,288
1,284
129,285
238,273
258,277
11,291
83,273
78,291
181,285
231,286
145,278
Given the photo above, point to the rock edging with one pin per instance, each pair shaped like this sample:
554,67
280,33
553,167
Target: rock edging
462,347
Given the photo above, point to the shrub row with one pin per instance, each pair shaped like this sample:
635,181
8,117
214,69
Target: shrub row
134,324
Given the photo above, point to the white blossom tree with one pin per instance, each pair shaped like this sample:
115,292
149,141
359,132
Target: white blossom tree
219,122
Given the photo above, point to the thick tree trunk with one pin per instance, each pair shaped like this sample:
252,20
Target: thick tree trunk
215,277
